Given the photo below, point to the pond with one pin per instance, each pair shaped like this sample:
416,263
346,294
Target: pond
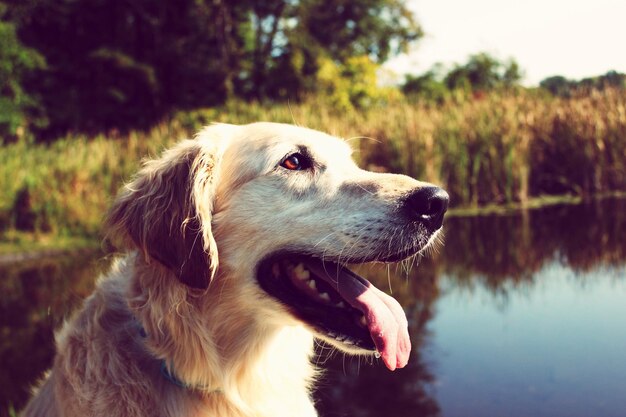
522,314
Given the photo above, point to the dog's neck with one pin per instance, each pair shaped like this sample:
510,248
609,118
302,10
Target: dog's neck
215,343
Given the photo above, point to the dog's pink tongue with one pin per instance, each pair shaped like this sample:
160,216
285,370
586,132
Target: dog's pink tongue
386,321
385,317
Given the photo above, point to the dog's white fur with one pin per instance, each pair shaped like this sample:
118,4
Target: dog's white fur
223,203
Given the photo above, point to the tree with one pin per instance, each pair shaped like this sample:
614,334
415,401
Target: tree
484,72
557,85
481,72
18,108
512,75
348,85
294,38
613,79
126,64
427,86
347,28
123,64
562,87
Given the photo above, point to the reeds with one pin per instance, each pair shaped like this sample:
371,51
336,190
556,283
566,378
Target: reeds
492,148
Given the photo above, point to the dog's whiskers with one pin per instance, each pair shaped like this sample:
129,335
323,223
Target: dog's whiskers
324,238
365,189
293,119
389,279
362,137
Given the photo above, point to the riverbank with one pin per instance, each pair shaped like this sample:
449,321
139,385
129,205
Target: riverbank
535,203
17,247
21,246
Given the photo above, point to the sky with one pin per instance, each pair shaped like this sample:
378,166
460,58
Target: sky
574,38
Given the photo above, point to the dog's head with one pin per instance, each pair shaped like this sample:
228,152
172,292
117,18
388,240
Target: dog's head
283,208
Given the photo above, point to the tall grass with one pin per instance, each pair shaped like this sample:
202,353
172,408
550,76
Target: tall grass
498,147
64,188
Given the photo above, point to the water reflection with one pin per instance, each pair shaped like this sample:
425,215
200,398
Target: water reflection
506,261
36,297
495,249
552,349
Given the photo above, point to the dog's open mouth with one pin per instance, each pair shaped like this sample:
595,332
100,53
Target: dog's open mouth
339,305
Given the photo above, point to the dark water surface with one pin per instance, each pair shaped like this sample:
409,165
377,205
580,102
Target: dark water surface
517,315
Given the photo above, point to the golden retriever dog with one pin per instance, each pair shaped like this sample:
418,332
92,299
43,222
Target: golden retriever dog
236,244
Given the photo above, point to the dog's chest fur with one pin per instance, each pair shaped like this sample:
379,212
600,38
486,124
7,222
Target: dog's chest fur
107,365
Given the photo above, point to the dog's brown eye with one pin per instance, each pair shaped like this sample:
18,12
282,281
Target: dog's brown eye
294,162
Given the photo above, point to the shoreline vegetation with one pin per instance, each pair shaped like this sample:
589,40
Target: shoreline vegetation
491,152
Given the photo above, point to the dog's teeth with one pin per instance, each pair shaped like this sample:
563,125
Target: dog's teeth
301,273
331,334
312,285
363,321
341,304
324,296
348,342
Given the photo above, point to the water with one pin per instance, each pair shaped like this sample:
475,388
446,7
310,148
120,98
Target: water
518,315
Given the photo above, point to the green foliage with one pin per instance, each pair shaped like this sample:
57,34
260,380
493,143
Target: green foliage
427,86
65,187
117,64
557,85
18,108
562,87
293,43
348,85
481,73
348,28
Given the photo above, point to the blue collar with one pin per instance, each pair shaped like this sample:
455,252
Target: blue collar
174,380
168,373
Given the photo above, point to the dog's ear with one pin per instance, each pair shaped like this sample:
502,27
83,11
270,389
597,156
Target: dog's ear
165,212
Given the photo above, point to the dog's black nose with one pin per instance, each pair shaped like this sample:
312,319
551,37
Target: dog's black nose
428,205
